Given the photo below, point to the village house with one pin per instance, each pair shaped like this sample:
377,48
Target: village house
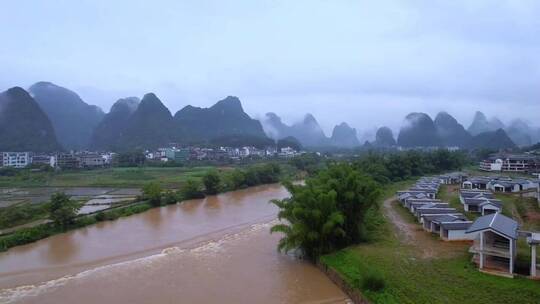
432,222
423,211
456,231
454,178
413,207
16,159
512,185
480,183
494,247
408,202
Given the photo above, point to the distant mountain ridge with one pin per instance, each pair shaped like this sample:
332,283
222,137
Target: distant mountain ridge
420,131
24,126
309,132
225,118
146,124
73,119
149,124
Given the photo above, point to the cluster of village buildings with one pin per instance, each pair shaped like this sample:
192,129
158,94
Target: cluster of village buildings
221,153
87,159
493,235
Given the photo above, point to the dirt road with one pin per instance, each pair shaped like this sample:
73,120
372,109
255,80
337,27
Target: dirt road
411,233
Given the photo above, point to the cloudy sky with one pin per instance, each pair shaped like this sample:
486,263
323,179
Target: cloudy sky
368,63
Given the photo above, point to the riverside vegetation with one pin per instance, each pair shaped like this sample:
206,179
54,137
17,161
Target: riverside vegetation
368,255
381,265
153,195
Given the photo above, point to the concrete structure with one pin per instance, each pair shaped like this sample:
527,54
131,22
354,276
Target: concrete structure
67,161
518,163
16,159
91,160
43,159
534,240
494,247
177,155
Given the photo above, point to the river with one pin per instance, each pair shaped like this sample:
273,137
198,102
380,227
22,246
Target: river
214,250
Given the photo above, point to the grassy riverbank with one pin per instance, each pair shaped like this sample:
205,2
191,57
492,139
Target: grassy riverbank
445,276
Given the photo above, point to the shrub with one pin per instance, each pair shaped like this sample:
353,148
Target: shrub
211,182
100,216
62,209
191,190
170,198
152,193
373,281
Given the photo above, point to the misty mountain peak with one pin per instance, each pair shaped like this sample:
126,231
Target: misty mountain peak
384,137
128,104
73,119
273,117
481,124
309,119
23,124
230,103
344,136
450,131
479,116
418,130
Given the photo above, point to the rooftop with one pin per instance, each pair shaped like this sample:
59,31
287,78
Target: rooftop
496,222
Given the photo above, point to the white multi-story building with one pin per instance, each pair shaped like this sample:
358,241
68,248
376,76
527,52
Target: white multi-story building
16,159
520,163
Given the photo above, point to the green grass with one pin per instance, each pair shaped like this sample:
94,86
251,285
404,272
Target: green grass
410,279
110,177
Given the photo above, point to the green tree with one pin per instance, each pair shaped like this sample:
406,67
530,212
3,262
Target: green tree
191,190
313,221
211,182
62,209
152,193
328,213
356,194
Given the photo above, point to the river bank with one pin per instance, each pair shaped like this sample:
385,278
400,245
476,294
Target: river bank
201,251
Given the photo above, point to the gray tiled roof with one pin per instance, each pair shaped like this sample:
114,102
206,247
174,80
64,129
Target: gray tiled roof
497,222
471,194
422,211
482,201
449,218
456,225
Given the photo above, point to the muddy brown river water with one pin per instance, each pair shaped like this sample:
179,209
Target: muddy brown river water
215,250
